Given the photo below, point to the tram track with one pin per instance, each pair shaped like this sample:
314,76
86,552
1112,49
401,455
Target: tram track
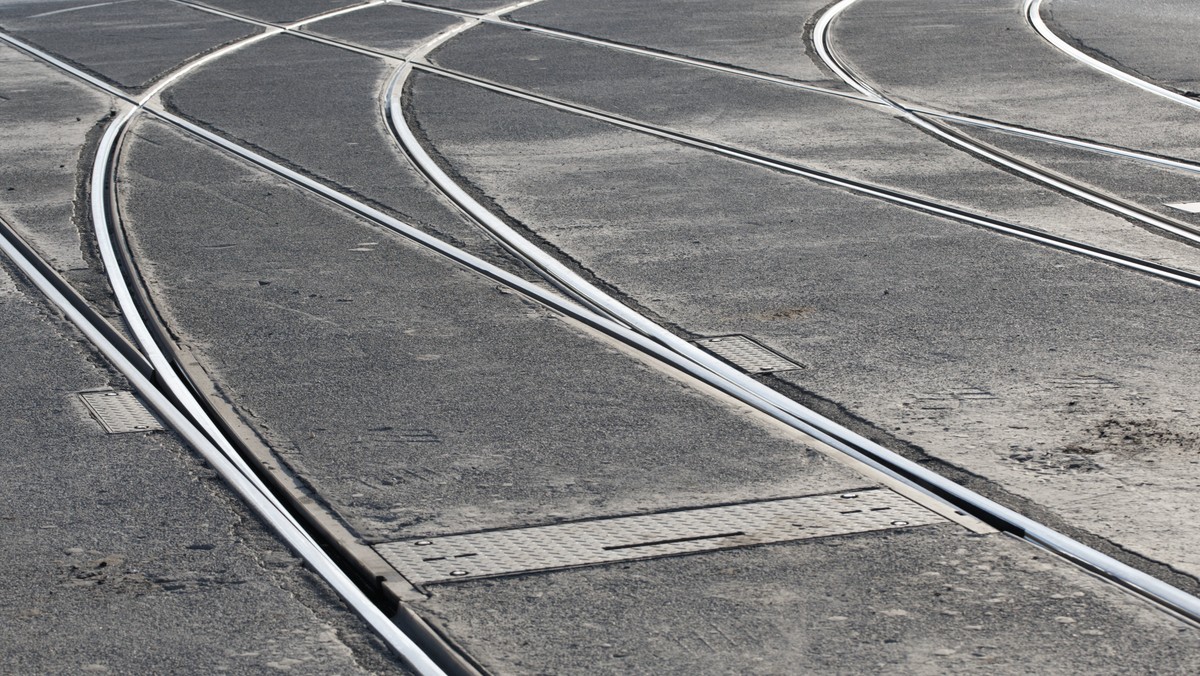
917,116
933,121
162,379
766,399
953,137
1032,10
621,323
1081,143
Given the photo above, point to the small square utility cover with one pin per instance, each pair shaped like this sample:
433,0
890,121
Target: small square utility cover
120,412
747,354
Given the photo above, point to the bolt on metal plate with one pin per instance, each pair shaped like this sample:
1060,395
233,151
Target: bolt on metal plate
120,412
748,354
523,550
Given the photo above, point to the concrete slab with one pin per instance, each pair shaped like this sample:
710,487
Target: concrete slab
1152,40
937,601
827,133
982,58
1063,379
124,552
129,43
299,86
414,396
387,28
769,36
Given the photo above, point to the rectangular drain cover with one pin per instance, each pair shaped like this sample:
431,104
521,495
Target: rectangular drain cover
522,550
747,354
120,412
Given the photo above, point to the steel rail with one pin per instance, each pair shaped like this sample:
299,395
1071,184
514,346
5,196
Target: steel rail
1033,14
181,399
247,487
860,96
531,291
709,370
783,408
1124,153
949,135
498,20
893,196
914,114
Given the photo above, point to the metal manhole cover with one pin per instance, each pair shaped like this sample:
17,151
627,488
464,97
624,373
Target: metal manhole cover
120,412
523,550
748,354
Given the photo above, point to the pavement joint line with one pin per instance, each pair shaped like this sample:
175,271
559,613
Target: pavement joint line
863,450
879,192
773,403
947,134
624,47
1033,14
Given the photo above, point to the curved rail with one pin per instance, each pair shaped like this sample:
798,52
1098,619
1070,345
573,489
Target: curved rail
704,366
1033,14
821,40
1123,153
177,405
689,359
416,58
496,19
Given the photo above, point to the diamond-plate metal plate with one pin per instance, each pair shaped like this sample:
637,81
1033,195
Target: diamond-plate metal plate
747,354
120,412
522,550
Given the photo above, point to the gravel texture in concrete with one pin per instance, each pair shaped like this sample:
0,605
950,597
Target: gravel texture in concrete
1061,378
833,134
769,36
923,601
415,396
124,552
129,43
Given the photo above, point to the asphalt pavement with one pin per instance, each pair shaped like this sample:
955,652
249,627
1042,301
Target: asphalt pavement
522,482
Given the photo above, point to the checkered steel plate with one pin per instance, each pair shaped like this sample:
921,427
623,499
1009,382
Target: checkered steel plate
120,412
748,355
504,552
